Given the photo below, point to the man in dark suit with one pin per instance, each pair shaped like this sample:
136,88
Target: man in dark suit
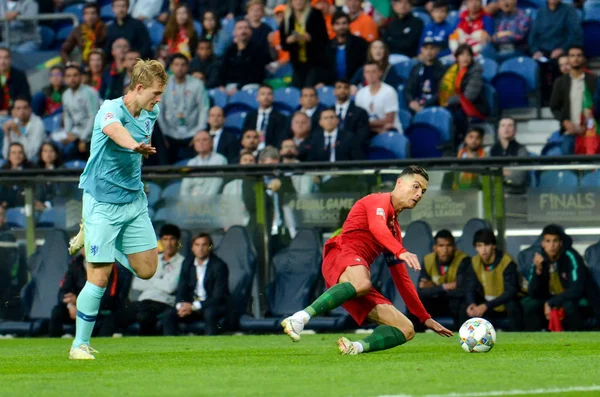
301,134
271,125
310,106
351,118
224,142
203,291
346,52
330,143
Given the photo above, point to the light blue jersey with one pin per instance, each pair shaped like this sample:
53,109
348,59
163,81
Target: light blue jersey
114,174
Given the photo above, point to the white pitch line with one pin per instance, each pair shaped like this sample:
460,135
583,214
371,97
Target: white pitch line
513,392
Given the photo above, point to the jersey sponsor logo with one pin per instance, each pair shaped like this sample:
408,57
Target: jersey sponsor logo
94,250
109,116
380,212
358,260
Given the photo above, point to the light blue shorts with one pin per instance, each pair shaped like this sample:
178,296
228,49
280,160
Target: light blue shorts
109,227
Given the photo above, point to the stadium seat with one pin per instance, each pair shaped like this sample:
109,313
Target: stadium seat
592,258
591,38
47,38
490,68
563,179
235,122
155,30
228,25
182,162
403,69
405,118
438,117
418,239
47,218
198,28
397,58
465,242
171,190
591,179
286,99
75,164
15,217
241,101
531,12
516,79
284,71
591,11
106,13
388,144
401,99
76,9
63,33
271,21
38,103
52,123
425,140
491,97
219,98
153,191
423,15
452,18
326,96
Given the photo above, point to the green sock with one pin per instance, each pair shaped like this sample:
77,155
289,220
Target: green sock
332,298
383,337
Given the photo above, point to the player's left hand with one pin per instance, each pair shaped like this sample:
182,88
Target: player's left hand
547,310
144,149
411,260
437,328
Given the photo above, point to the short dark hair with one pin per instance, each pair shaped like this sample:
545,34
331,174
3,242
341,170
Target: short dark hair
338,15
91,5
508,118
175,56
73,65
462,49
414,170
57,67
371,63
264,86
21,98
170,230
485,236
203,40
441,4
476,129
342,81
126,2
576,47
553,230
313,89
444,234
203,235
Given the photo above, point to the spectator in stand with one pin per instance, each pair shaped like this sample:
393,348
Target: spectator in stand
243,62
303,184
301,131
234,188
328,9
424,80
309,105
146,9
205,66
53,92
212,31
329,143
24,35
13,196
403,33
119,48
25,127
96,68
346,52
180,36
556,28
512,27
572,105
13,84
80,105
206,186
472,148
271,125
117,84
156,295
162,55
351,117
461,91
183,110
439,29
475,28
281,57
131,29
224,142
250,142
255,11
203,292
304,35
90,35
515,182
361,24
563,64
49,159
378,53
380,101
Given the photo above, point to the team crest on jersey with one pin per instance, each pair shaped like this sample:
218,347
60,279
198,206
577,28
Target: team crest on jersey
380,212
109,116
147,127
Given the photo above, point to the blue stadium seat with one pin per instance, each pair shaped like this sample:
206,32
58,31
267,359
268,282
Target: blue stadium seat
171,190
38,103
47,218
163,215
418,239
524,66
182,162
552,179
198,28
397,58
76,9
552,149
47,37
533,175
438,117
153,191
591,179
465,242
591,11
516,79
75,164
228,25
592,258
423,15
452,18
63,33
425,140
491,96
235,122
326,96
241,101
156,31
52,123
490,68
390,145
284,71
286,99
401,99
405,118
15,217
525,259
271,21
403,69
591,38
106,12
219,98
531,12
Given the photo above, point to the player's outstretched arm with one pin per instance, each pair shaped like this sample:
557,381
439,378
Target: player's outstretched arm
123,138
437,328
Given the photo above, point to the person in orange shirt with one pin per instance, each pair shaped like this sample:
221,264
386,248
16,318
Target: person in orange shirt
361,24
328,9
281,57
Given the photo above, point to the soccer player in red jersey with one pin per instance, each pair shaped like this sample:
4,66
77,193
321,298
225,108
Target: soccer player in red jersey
371,229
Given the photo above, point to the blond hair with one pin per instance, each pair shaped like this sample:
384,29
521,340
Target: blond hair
251,3
146,72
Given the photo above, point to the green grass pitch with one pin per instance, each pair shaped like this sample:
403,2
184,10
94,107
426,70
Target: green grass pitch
274,366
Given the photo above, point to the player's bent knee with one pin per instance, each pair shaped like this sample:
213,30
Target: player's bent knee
362,287
408,330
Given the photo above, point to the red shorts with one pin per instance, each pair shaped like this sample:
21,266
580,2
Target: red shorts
334,264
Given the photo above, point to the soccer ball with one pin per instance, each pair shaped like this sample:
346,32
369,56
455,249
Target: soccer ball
477,335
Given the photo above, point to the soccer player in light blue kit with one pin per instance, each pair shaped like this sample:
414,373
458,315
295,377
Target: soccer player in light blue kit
115,221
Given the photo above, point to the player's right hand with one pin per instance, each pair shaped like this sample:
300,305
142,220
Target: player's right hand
144,149
411,260
437,328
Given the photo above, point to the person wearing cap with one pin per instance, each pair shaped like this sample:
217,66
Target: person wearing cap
155,296
422,86
282,57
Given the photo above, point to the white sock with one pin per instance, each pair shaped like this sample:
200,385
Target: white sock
358,346
302,316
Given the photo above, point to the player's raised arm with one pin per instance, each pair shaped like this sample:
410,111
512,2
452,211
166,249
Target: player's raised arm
123,138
